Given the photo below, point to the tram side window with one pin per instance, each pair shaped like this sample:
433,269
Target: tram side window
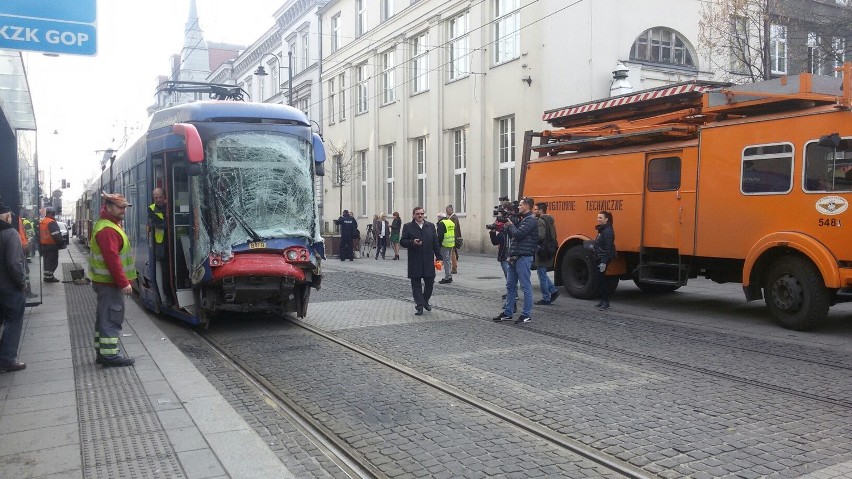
767,169
664,174
827,169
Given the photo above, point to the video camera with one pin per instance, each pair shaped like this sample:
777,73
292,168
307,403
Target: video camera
504,212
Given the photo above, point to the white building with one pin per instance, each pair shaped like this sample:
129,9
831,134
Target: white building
430,98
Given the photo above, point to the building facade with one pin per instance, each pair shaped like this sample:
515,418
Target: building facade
426,102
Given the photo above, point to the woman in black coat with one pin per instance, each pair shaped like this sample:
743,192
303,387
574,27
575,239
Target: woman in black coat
604,249
421,240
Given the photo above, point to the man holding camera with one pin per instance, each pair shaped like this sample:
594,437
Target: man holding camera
523,232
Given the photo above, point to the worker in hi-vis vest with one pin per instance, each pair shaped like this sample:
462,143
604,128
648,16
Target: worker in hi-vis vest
447,238
157,226
111,268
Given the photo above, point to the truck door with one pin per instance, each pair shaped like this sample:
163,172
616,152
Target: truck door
669,203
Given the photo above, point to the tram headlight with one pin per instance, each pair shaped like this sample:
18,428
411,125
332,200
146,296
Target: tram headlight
292,255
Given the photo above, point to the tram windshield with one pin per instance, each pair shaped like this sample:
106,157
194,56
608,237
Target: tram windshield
258,186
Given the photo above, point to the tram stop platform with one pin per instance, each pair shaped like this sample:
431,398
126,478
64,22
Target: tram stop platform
66,417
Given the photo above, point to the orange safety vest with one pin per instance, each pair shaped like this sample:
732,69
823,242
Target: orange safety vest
22,234
44,236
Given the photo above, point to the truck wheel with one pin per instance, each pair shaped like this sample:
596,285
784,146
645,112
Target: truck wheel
795,293
578,273
655,288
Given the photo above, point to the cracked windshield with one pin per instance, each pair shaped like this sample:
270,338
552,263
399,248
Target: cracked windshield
266,178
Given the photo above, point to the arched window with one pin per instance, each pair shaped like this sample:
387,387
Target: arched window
662,45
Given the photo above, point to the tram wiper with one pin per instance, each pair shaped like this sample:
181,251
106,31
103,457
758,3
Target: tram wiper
252,233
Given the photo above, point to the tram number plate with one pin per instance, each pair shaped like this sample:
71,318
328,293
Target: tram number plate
257,245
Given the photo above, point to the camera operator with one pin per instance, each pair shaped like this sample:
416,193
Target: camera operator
523,232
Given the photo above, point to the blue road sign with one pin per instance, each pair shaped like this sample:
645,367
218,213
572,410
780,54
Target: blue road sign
51,26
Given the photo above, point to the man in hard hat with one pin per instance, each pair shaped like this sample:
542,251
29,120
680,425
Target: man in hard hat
50,242
111,268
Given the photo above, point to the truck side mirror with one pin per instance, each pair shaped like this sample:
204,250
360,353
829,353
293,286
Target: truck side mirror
829,141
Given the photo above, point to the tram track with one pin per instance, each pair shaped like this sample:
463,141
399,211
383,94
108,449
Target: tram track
351,461
844,403
344,457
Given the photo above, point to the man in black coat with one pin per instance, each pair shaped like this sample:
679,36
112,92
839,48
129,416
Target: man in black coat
421,240
13,285
348,225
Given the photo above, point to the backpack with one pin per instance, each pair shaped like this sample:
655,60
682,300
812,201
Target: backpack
548,244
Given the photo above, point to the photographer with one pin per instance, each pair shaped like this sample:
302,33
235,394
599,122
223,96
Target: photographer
523,232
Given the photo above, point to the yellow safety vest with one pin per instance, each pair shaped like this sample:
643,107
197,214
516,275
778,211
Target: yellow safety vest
159,234
98,271
450,236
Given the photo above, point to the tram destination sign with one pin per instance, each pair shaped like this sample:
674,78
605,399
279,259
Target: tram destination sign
50,26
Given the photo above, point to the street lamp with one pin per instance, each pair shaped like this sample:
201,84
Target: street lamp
261,72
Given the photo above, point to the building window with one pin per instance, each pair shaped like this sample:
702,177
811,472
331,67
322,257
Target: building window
814,54
507,26
360,17
304,104
291,49
506,155
419,63
778,48
331,94
739,44
362,194
661,45
388,84
342,82
838,53
420,160
389,182
459,49
459,169
361,78
272,68
305,51
387,9
335,33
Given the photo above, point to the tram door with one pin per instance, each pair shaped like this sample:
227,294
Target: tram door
181,229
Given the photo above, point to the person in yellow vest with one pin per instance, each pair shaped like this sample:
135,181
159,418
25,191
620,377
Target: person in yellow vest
447,238
157,223
50,242
111,268
455,219
29,229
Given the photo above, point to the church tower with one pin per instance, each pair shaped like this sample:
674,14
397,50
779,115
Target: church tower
194,58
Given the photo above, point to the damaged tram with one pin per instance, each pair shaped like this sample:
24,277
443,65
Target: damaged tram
242,229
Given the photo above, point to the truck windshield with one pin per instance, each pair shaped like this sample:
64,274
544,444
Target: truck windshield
257,186
827,169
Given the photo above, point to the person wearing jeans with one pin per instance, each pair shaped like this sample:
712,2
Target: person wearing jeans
543,258
524,238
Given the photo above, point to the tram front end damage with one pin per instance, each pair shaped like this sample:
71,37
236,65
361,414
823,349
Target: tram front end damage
276,282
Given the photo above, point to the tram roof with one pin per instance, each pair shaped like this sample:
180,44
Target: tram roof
226,110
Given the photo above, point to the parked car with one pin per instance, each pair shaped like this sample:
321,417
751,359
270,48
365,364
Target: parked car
64,230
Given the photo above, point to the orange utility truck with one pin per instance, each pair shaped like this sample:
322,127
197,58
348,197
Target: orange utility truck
747,183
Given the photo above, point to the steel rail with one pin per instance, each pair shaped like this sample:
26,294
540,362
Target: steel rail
347,459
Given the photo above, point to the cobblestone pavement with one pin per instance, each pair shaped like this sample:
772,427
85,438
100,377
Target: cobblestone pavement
401,426
675,400
295,450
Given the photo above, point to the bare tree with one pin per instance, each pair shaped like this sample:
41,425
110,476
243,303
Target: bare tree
736,33
752,40
344,168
